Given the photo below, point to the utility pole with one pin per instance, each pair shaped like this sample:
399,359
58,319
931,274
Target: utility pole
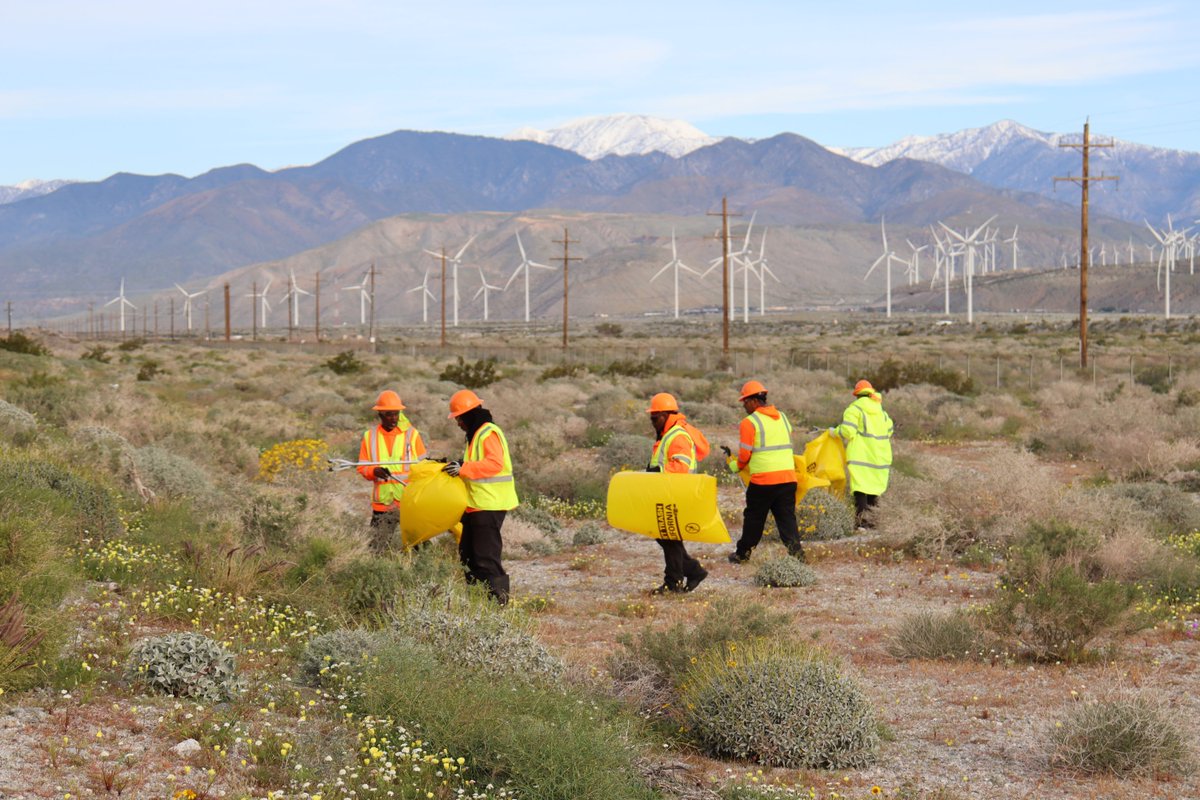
155,319
443,296
371,325
1083,181
91,321
317,314
145,324
566,242
228,330
291,322
254,311
9,307
207,308
725,312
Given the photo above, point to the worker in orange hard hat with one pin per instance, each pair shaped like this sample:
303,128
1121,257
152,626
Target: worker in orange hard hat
386,448
765,448
866,431
486,469
679,447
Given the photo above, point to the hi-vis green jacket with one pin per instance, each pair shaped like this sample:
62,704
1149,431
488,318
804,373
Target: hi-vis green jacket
866,430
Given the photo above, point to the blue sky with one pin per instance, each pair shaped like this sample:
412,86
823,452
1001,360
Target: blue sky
88,89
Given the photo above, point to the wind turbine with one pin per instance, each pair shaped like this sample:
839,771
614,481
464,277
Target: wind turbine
1170,239
364,296
1013,241
677,265
763,271
734,257
483,290
523,266
187,304
266,306
456,260
889,257
293,296
914,272
122,302
426,296
969,243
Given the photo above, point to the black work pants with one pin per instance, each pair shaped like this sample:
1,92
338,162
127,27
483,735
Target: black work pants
679,565
780,500
862,503
480,550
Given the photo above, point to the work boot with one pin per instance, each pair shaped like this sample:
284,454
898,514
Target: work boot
738,558
798,554
668,588
695,580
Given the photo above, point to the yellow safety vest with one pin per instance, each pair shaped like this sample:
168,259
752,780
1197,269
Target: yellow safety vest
495,493
772,450
663,446
390,491
867,431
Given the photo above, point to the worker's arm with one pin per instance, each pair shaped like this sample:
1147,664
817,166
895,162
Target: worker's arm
491,464
364,454
418,448
849,427
681,456
745,446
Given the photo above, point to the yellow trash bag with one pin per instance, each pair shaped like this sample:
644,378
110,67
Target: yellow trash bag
823,465
433,503
666,506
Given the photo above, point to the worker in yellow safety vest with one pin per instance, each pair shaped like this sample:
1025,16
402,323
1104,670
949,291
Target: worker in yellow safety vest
486,468
679,447
866,430
394,439
765,449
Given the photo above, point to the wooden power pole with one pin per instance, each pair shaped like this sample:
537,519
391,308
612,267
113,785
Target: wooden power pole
566,242
228,329
1083,181
725,310
317,314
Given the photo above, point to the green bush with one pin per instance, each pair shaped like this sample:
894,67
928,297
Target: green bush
473,376
88,504
567,369
611,329
892,374
312,559
823,517
149,370
632,368
781,705
1172,510
589,533
626,451
98,353
927,635
171,475
1120,737
16,424
18,342
668,654
543,520
271,519
344,363
184,665
129,345
50,398
478,637
368,588
1047,600
1157,377
784,572
543,742
337,655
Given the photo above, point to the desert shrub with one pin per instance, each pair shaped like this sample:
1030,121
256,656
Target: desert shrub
779,704
892,374
1156,377
16,424
476,636
823,517
589,533
927,635
616,409
129,345
18,643
89,504
669,653
1047,599
1120,737
611,329
556,745
344,363
567,369
184,665
149,370
97,353
569,479
632,368
625,451
367,588
18,342
270,518
50,398
539,518
473,376
171,475
337,655
783,572
314,556
1171,510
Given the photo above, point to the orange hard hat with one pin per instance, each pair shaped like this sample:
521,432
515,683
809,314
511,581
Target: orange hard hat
388,401
662,402
863,387
463,401
751,388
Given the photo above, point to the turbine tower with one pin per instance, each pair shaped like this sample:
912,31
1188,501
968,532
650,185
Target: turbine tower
187,304
677,265
122,302
364,296
293,296
426,296
523,267
969,244
456,260
483,290
889,257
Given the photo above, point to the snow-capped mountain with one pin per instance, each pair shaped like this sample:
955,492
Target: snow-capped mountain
27,189
962,150
621,134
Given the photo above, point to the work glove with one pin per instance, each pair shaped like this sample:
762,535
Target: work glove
382,473
728,453
833,432
452,468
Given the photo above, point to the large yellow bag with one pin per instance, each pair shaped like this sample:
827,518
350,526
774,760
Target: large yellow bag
433,503
824,465
666,506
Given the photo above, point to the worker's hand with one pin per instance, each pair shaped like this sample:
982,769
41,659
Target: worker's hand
452,468
728,453
833,432
382,473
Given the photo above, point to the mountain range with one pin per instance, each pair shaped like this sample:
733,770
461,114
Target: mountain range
824,206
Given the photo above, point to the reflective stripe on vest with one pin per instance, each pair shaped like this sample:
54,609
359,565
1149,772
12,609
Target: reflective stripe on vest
772,450
496,492
389,491
869,451
664,446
